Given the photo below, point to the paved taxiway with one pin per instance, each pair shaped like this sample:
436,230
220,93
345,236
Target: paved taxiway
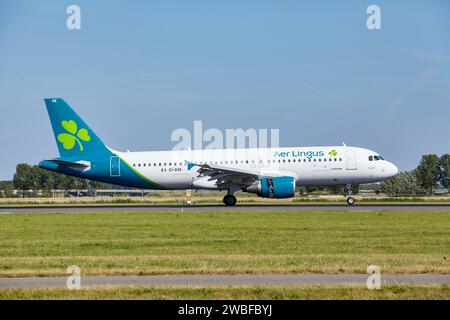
262,207
228,280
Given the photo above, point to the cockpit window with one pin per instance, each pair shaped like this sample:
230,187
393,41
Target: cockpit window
381,158
376,158
370,158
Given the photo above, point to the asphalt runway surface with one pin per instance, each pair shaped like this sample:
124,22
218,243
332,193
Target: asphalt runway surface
209,208
228,280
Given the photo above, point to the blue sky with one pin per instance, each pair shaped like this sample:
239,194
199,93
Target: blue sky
137,70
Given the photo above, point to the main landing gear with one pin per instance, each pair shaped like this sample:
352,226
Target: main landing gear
229,200
350,200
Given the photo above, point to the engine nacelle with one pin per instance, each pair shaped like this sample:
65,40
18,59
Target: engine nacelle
278,187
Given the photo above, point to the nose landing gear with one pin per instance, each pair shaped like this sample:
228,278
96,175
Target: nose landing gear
350,200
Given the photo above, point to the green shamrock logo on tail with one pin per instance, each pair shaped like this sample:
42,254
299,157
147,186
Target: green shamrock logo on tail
333,153
74,135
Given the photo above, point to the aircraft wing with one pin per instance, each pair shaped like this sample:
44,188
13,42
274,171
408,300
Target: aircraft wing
226,176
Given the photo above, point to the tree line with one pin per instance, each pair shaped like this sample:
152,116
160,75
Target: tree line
30,180
432,172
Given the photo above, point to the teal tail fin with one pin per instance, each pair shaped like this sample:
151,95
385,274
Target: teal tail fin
74,137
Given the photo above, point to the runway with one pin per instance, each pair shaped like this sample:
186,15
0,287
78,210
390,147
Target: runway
215,208
229,280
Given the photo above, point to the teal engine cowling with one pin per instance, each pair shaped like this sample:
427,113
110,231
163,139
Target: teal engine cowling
277,187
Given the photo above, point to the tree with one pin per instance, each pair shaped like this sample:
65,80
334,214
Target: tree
444,162
429,172
23,178
46,180
404,183
8,188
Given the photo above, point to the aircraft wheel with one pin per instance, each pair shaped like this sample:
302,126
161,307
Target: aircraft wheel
229,200
351,201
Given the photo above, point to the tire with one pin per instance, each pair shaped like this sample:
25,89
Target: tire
229,200
351,201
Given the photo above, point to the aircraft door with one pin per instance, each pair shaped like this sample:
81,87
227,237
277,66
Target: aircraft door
115,166
350,158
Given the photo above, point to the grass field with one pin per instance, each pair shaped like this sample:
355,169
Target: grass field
44,244
256,292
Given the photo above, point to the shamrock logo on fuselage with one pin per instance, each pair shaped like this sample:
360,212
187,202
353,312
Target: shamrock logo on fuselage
74,135
333,153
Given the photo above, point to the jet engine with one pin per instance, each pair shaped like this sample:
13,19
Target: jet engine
277,187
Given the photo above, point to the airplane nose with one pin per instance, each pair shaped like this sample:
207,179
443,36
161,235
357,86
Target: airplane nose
392,169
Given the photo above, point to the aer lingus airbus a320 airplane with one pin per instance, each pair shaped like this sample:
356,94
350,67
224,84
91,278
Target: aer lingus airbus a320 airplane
267,172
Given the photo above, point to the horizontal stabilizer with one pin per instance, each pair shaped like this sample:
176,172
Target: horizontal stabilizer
80,165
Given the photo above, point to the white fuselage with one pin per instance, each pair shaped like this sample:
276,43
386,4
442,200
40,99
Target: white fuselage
329,165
